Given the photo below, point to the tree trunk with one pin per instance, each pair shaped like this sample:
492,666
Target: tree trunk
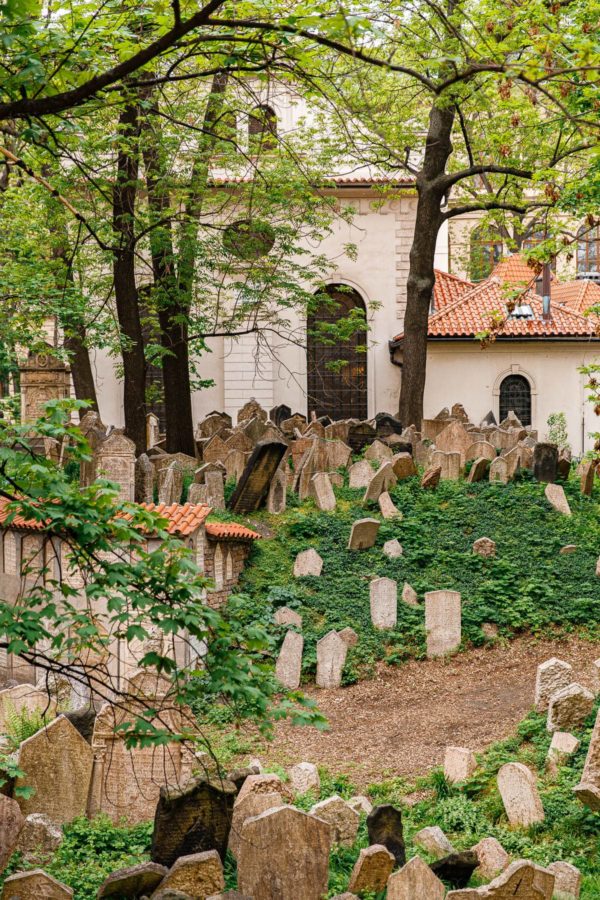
81,368
126,294
431,189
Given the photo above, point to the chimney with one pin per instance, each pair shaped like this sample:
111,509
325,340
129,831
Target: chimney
546,309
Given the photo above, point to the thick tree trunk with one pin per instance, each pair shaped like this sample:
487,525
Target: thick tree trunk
81,367
431,189
126,294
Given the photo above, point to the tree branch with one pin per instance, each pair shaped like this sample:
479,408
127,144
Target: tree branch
487,206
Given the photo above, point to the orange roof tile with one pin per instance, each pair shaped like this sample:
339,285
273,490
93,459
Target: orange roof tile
448,288
578,296
230,531
514,269
182,519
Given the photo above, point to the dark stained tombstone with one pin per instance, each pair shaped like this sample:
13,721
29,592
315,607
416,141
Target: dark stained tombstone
384,825
588,473
213,423
490,419
359,435
545,462
253,487
456,868
385,425
192,819
279,414
296,421
144,479
563,466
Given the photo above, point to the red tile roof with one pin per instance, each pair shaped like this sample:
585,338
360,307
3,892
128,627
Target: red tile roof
514,269
448,288
182,519
578,296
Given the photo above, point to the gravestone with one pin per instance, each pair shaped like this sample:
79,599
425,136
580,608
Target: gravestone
434,841
57,763
551,676
250,410
556,497
144,479
409,595
442,622
480,450
363,534
360,474
415,879
284,855
206,469
35,885
199,875
379,452
349,636
387,508
518,790
343,819
212,424
337,431
518,882
563,467
246,808
133,881
484,546
562,746
215,493
404,466
42,377
588,789
286,616
431,478
289,662
277,496
384,602
371,870
331,658
513,461
361,804
499,470
305,777
308,562
459,764
456,868
382,480
392,549
569,708
12,821
338,455
422,452
280,414
39,838
197,494
215,450
588,473
191,819
384,826
386,425
567,880
114,459
297,422
359,435
235,463
239,441
449,464
322,492
545,462
454,438
253,486
492,857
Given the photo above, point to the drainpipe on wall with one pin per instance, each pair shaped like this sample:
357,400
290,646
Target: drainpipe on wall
546,309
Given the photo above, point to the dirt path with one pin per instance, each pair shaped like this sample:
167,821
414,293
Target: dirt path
400,722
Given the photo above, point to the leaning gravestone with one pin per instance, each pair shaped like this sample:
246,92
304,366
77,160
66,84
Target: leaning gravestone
277,496
304,777
253,486
57,763
567,880
289,662
520,881
492,857
35,885
246,808
569,708
415,879
371,870
331,658
384,826
360,474
284,855
382,480
11,825
545,462
518,790
343,819
286,616
359,435
196,875
459,764
442,622
322,492
384,602
308,562
363,534
431,478
280,414
387,508
588,789
133,881
192,819
588,473
556,497
478,470
552,675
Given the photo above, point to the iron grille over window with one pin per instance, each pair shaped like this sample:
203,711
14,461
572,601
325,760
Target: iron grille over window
337,373
515,395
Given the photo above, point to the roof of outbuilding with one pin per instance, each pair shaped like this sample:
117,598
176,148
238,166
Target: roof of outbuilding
578,296
515,269
448,288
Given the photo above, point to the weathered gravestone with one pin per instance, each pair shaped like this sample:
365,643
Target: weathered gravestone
588,473
382,480
545,462
349,636
384,826
384,602
280,414
251,410
277,496
39,838
360,474
192,819
133,881
456,868
404,466
343,819
304,777
459,764
308,562
289,662
57,763
484,546
434,841
492,858
11,826
215,493
518,790
415,879
198,875
386,425
588,789
331,658
518,882
567,880
449,463
431,478
393,549
322,492
478,470
409,595
363,534
35,885
253,486
371,870
379,452
442,622
286,616
235,463
562,746
247,807
454,439
480,450
359,435
170,484
284,855
556,497
114,459
387,508
551,676
569,708
144,479
499,470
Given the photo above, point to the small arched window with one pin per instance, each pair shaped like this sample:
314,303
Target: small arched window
262,128
515,396
588,249
485,252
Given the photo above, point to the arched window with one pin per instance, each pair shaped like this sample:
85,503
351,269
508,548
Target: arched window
337,370
485,252
218,568
515,395
262,128
588,249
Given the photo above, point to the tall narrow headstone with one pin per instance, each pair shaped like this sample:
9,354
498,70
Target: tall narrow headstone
552,675
384,602
556,497
442,622
144,479
545,462
289,662
331,658
588,789
518,790
322,492
253,487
